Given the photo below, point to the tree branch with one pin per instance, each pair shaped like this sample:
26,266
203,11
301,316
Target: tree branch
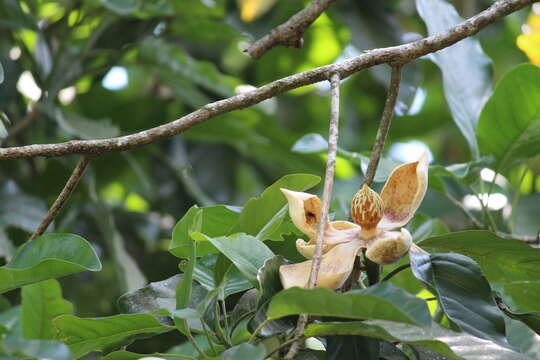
392,55
289,33
384,125
66,192
325,206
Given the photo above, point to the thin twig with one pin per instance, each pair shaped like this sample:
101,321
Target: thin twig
66,192
325,206
384,125
465,211
395,54
396,271
289,33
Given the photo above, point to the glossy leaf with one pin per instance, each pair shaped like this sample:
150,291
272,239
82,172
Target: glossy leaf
94,334
246,252
310,143
501,260
232,281
41,303
216,221
509,126
48,256
156,295
259,211
523,338
464,66
383,301
454,345
245,351
463,293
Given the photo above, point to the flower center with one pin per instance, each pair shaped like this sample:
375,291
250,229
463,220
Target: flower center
366,210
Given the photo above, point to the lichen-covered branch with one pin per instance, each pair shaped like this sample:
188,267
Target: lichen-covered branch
66,192
325,204
291,32
391,55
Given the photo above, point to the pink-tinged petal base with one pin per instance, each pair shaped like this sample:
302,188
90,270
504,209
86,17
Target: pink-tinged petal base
389,247
336,266
337,232
403,192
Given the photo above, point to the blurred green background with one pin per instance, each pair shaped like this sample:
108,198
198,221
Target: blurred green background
96,69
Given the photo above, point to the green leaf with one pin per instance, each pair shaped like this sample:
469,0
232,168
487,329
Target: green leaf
216,221
48,256
463,293
457,346
156,295
383,301
246,252
19,209
88,129
464,66
122,7
352,347
259,211
95,334
522,338
1,73
525,294
501,260
185,285
385,168
232,281
509,126
41,303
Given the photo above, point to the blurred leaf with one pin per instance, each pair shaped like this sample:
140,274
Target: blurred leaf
95,334
457,346
81,127
216,221
48,256
21,348
1,73
383,301
509,126
310,143
422,227
246,252
245,351
41,303
127,355
385,168
43,56
122,7
4,120
6,247
464,66
501,260
522,338
12,16
463,293
259,211
19,209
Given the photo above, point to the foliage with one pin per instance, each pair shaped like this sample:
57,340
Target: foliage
134,284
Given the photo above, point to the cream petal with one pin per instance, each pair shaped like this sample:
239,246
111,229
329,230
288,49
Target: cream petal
336,266
389,247
403,192
304,210
337,232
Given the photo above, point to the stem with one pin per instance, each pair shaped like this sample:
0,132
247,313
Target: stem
283,345
64,195
224,311
465,211
193,341
219,330
384,125
396,271
326,197
210,342
257,330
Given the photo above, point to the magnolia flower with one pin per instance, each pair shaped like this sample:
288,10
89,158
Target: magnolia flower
374,217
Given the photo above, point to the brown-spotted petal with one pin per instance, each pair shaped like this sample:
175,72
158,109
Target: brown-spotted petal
304,210
337,232
389,247
336,266
403,192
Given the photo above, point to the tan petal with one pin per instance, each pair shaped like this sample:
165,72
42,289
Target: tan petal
337,232
403,192
304,210
389,247
336,266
